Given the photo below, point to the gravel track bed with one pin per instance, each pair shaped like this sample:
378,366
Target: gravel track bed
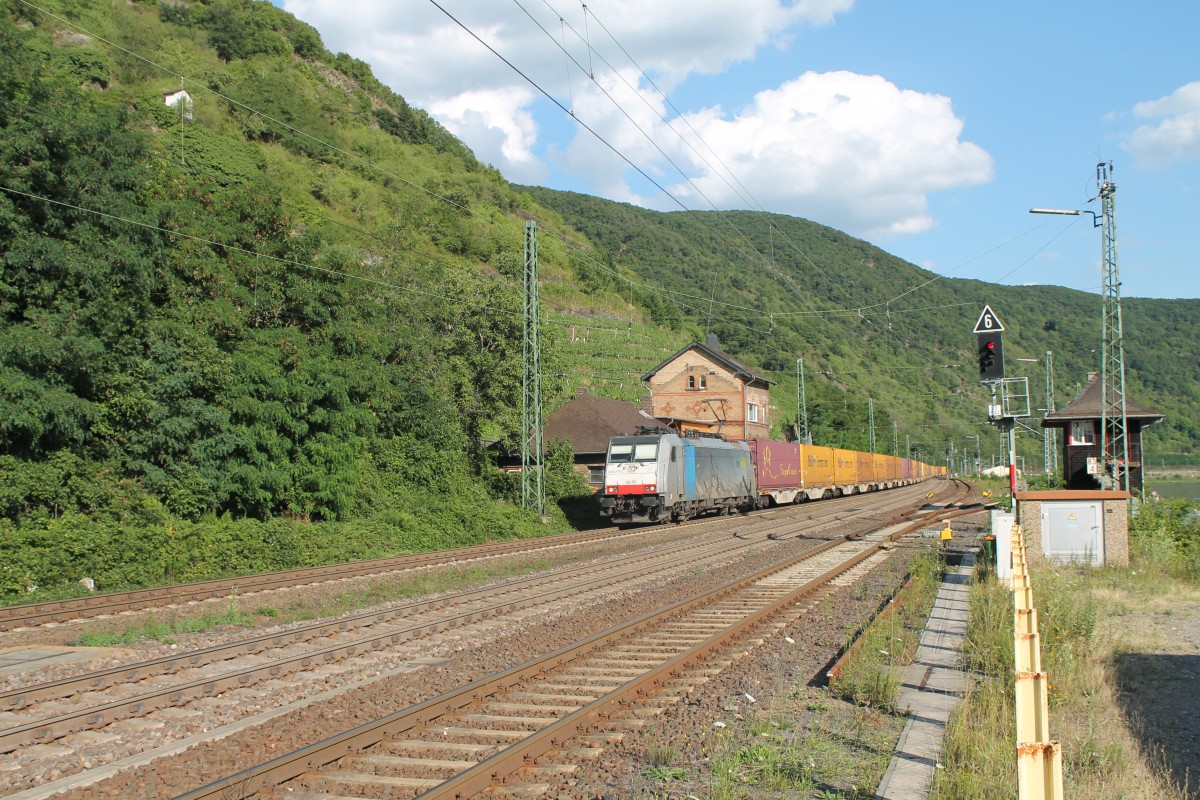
313,595
770,673
485,649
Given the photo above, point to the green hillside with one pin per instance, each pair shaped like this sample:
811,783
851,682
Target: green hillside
280,321
869,325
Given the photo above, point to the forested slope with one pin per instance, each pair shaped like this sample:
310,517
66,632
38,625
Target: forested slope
291,300
280,321
778,288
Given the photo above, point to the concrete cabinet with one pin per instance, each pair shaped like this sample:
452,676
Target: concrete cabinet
1073,532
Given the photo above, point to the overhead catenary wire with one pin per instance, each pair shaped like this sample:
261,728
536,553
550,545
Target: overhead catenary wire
283,125
742,192
726,175
708,300
406,287
683,173
701,305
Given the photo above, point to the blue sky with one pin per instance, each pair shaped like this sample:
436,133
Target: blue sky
927,128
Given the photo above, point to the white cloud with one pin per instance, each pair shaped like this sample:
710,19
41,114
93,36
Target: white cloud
1173,134
852,151
848,150
495,121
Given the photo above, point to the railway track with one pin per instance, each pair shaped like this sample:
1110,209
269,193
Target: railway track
529,725
46,711
90,606
412,625
112,603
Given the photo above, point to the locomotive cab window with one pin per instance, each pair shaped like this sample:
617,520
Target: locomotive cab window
620,454
645,452
626,453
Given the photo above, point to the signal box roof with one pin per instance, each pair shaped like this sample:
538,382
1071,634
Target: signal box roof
1088,405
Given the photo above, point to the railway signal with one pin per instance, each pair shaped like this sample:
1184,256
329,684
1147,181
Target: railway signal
990,351
991,346
991,357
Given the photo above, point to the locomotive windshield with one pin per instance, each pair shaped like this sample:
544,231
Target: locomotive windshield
627,452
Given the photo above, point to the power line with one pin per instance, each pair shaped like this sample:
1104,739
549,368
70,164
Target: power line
696,307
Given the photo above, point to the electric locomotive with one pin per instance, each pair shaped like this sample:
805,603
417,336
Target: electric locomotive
661,477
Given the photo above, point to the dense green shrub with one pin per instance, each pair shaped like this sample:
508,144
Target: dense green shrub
1164,536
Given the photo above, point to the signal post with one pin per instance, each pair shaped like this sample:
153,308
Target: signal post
1010,397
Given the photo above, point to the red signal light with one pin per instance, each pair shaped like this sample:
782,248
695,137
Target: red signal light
991,362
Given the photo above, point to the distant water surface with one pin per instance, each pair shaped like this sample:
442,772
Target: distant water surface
1188,489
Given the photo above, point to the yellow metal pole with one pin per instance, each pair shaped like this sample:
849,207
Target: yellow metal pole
1039,759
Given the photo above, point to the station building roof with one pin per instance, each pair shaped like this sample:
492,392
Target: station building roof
711,348
589,422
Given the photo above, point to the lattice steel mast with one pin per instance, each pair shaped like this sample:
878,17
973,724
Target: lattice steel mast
1113,421
533,486
871,422
1050,441
802,432
1114,443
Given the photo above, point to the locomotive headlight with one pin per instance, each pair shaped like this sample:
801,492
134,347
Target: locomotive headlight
650,488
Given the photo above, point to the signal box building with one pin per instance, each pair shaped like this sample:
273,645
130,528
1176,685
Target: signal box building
702,389
1081,448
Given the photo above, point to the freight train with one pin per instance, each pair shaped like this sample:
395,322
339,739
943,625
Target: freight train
666,477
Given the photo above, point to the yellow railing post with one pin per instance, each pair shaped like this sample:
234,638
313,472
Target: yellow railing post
1039,759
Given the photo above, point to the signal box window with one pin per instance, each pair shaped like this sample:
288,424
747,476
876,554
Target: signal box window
1083,432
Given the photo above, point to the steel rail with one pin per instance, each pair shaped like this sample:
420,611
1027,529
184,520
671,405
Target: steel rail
315,756
165,665
76,608
114,602
95,716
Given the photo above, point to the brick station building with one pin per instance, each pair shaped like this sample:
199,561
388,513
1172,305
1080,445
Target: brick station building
703,389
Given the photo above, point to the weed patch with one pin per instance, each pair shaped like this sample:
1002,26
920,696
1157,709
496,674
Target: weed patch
870,672
165,632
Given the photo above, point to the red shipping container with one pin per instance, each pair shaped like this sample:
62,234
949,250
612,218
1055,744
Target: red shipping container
776,464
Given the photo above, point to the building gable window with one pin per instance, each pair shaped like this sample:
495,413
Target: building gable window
1083,432
691,383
